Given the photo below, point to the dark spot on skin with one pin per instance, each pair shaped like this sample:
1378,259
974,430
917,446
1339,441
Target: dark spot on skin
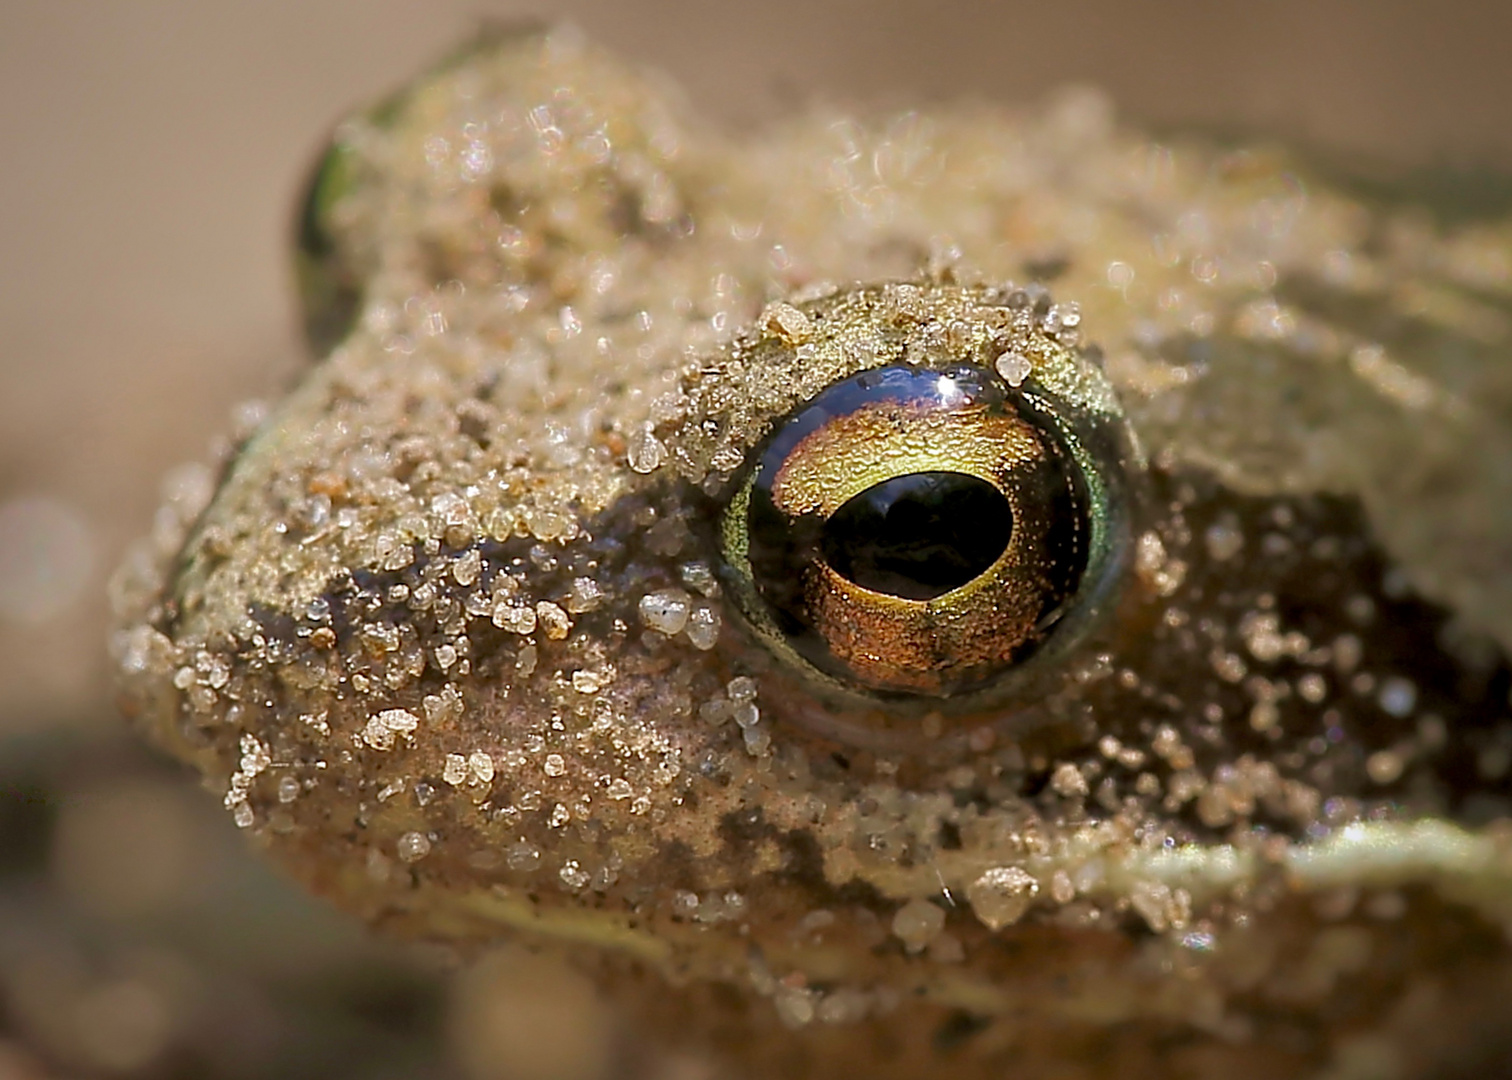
1327,561
743,828
27,814
506,202
804,866
1047,268
958,1027
1035,782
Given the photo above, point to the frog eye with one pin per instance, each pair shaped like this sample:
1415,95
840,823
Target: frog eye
926,531
329,271
329,283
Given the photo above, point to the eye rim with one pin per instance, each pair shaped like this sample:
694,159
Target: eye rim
1069,394
885,424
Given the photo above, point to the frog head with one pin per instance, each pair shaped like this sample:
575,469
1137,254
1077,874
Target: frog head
736,564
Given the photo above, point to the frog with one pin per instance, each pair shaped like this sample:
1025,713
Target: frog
945,593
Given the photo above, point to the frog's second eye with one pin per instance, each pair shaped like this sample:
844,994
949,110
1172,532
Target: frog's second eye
921,531
329,284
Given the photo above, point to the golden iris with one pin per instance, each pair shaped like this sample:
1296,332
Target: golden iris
918,531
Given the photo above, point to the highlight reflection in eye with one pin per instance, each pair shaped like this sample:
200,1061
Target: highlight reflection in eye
921,531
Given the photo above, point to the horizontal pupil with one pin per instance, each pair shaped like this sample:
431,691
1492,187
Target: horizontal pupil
919,535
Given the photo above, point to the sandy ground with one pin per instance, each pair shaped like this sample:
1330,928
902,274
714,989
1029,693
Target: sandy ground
150,151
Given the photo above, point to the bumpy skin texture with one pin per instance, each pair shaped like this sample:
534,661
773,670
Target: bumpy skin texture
1254,822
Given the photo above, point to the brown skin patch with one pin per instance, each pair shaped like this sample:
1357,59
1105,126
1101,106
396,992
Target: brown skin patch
453,641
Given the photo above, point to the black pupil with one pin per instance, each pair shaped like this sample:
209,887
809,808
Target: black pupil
919,535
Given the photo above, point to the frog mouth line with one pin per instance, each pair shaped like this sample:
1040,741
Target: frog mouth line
1464,867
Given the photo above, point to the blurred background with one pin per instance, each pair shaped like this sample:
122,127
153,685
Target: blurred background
150,155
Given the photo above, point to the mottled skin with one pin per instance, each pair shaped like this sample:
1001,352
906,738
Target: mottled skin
1253,821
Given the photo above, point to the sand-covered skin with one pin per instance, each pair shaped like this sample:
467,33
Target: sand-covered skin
450,638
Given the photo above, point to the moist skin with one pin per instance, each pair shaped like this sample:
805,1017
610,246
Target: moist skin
448,636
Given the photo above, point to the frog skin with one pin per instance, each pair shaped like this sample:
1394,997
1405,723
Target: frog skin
455,630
